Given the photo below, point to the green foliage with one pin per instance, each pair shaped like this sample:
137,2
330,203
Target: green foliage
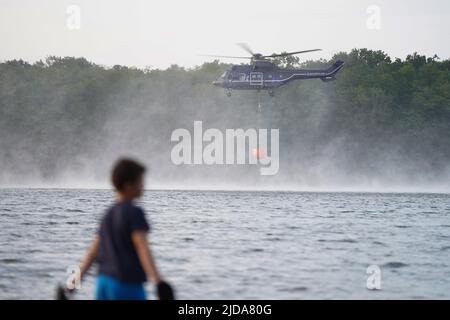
55,111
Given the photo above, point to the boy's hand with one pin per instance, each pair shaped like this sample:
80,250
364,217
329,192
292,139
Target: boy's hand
157,279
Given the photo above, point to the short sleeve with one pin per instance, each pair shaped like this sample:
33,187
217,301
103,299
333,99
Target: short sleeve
138,221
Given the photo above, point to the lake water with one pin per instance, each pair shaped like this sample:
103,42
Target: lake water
240,245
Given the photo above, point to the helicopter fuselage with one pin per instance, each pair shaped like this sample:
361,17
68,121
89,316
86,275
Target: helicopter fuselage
264,75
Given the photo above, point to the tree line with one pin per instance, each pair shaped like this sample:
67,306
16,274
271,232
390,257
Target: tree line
382,118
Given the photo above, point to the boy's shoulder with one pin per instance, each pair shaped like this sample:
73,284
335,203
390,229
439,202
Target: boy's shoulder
127,206
124,214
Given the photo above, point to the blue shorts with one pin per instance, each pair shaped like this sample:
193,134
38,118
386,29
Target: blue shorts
109,288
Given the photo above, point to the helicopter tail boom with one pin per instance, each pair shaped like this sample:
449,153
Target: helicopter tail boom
328,79
335,68
331,71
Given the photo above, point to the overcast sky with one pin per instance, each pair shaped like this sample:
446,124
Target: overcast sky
160,33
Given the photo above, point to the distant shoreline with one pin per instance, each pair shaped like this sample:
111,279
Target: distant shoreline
249,190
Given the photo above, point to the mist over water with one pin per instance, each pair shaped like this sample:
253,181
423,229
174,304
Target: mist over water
65,130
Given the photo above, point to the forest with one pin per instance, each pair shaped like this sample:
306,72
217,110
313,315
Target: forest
384,121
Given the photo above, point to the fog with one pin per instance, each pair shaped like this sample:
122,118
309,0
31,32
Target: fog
69,121
382,126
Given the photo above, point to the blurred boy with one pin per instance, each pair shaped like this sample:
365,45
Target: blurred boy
120,247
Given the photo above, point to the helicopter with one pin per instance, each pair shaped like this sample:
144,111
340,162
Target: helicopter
263,74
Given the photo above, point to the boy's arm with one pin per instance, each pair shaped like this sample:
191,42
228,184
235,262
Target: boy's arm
139,239
90,256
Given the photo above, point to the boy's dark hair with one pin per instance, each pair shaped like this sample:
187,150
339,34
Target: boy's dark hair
126,171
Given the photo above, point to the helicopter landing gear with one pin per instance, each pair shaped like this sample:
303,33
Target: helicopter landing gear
271,92
228,92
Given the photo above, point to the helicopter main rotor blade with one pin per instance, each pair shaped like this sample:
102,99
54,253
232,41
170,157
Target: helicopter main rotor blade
215,56
290,53
246,48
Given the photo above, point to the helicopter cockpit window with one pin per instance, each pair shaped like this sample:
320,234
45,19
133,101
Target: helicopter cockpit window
223,75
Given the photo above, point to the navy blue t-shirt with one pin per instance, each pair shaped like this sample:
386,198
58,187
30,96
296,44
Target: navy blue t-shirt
117,256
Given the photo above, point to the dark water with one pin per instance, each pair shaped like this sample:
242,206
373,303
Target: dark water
230,245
